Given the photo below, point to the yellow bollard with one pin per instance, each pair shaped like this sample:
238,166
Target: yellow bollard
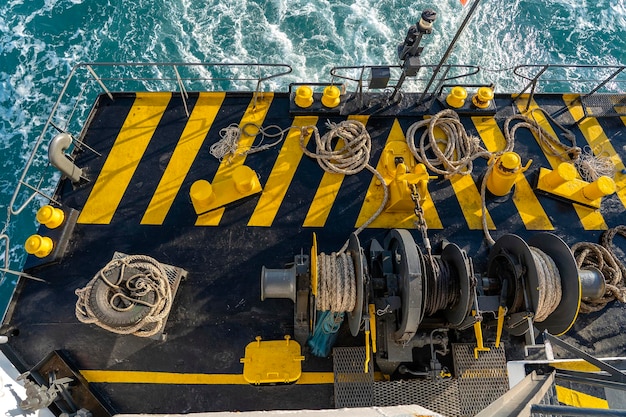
599,188
482,99
244,178
331,96
201,193
304,96
457,97
40,246
563,173
504,173
50,216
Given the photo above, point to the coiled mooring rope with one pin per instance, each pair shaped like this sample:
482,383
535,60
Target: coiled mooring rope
228,145
602,256
549,284
349,159
336,290
460,149
152,278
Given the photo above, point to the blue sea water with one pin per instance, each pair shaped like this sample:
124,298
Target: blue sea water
41,40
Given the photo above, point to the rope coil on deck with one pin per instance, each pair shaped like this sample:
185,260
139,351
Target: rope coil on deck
603,257
349,159
230,136
145,295
460,149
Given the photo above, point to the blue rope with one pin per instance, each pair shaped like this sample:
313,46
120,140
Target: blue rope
325,333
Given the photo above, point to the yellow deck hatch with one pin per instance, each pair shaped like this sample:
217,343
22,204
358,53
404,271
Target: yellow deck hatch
272,361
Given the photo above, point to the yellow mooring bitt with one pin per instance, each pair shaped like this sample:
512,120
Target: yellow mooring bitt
241,184
506,170
563,183
40,246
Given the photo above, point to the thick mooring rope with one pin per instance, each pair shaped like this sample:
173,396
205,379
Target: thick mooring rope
603,257
460,149
336,290
549,284
349,159
443,291
153,278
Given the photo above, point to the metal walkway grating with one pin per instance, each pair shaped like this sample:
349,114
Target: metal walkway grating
604,105
482,380
440,396
353,387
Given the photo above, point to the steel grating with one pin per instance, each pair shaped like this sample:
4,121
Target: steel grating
441,396
482,380
353,387
604,105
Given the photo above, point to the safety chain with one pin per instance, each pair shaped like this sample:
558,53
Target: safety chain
421,220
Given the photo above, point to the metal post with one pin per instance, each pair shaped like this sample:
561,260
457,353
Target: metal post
93,73
449,50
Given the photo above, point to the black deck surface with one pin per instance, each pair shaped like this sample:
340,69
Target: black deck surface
217,310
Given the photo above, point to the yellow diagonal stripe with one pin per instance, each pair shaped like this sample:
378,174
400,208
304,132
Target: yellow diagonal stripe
142,377
196,129
591,219
127,151
255,113
375,193
598,142
282,174
327,191
574,398
528,206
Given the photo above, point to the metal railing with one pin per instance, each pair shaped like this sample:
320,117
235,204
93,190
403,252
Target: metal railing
88,80
589,79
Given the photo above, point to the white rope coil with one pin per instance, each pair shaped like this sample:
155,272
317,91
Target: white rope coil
460,149
349,159
152,278
549,282
230,136
336,290
591,167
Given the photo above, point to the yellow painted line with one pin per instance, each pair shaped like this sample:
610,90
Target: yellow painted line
254,115
591,219
468,195
575,365
574,398
375,194
196,129
282,174
327,191
598,142
129,147
141,377
530,210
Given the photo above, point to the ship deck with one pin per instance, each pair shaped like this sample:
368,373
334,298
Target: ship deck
137,202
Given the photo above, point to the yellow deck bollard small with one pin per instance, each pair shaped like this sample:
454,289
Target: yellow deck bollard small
304,96
244,178
40,246
505,172
331,96
51,217
482,99
202,195
457,97
601,187
563,173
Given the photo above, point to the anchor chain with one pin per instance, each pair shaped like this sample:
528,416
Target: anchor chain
421,220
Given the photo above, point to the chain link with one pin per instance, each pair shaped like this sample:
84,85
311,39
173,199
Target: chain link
421,220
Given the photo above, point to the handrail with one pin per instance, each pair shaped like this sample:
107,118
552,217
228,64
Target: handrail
541,69
125,76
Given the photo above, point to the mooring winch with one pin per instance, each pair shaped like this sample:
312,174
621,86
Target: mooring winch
397,294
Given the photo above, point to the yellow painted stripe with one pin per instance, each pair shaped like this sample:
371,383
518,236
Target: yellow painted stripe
528,206
129,147
375,193
196,129
282,174
598,142
574,398
254,114
591,219
327,191
141,377
468,195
